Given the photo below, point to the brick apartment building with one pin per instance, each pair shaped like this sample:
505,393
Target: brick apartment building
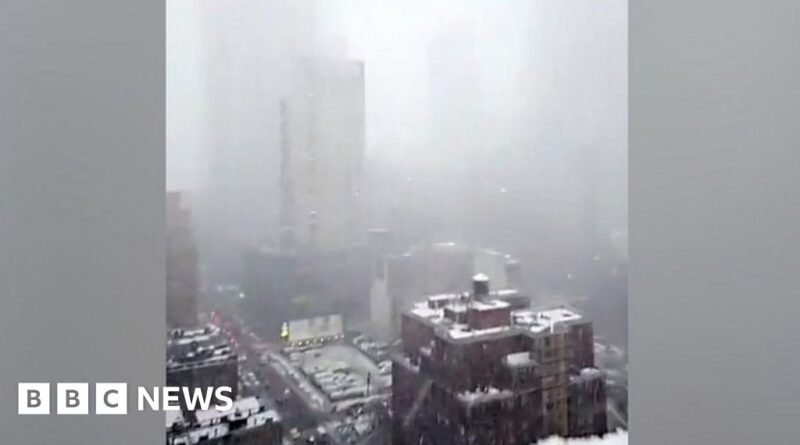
479,369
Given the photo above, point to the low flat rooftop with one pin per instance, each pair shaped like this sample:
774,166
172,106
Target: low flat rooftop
518,359
432,311
179,337
540,321
484,395
202,346
242,408
208,357
174,418
212,425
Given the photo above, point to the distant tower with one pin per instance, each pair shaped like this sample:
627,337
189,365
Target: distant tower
456,130
182,279
454,91
514,274
380,299
322,152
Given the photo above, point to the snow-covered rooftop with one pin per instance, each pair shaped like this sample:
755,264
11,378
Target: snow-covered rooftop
459,331
442,297
480,277
518,359
423,310
540,321
241,408
489,305
173,418
615,438
483,395
433,310
198,335
587,374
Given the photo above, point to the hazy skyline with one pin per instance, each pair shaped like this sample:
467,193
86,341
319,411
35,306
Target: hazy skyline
552,75
503,127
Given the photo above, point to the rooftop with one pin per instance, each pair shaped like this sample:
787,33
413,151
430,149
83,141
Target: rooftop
519,359
191,348
483,395
480,277
180,337
540,321
241,408
213,424
433,312
587,375
174,418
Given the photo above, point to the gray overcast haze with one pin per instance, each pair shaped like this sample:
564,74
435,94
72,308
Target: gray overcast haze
494,123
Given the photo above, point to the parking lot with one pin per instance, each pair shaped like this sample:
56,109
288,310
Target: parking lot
341,372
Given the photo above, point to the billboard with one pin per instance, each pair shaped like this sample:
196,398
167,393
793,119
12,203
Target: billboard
307,329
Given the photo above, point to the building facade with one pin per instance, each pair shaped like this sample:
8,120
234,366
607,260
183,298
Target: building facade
201,358
285,286
182,277
322,151
248,422
479,370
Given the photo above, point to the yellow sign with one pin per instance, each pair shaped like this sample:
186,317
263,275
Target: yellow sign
285,331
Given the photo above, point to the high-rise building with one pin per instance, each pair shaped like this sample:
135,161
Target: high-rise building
322,151
182,278
479,369
454,92
457,138
283,286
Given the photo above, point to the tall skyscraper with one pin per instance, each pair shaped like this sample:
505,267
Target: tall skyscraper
454,91
322,151
457,136
182,279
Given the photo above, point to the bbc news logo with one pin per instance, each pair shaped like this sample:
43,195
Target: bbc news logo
112,398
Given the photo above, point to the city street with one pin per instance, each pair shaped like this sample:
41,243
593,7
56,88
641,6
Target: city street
297,412
301,415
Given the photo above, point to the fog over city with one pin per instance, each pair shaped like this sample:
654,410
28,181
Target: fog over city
488,126
399,222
